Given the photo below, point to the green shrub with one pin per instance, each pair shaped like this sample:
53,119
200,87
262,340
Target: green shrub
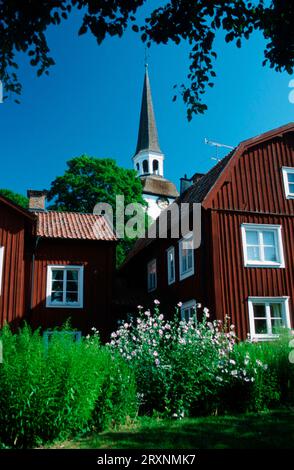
181,368
274,383
118,397
50,391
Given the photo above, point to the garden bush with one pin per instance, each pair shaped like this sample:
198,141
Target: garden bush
197,367
274,383
50,390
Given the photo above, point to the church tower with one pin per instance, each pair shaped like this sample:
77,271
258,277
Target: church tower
149,159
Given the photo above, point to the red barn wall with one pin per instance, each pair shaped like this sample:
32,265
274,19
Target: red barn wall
14,283
98,259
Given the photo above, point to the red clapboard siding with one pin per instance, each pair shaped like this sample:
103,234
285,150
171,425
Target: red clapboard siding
13,298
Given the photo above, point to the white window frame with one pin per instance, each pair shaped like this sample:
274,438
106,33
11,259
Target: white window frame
187,305
277,229
285,171
189,272
80,302
149,287
1,266
170,279
284,301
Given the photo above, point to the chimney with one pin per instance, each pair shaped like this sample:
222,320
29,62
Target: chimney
185,183
37,199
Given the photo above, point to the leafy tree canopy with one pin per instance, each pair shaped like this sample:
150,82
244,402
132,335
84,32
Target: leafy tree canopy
23,25
89,180
15,197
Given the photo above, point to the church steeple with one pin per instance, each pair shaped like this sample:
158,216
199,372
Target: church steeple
147,136
148,158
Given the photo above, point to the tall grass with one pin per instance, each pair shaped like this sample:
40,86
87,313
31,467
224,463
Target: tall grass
48,392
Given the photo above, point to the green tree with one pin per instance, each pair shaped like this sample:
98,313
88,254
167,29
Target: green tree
89,180
23,26
15,197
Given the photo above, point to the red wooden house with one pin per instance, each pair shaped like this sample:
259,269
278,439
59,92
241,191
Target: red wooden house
55,266
244,267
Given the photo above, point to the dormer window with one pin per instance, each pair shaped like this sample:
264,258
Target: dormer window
288,178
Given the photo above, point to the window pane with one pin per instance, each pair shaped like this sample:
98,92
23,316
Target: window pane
259,311
72,286
260,326
276,310
71,297
270,254
277,323
252,237
291,177
253,253
269,238
57,274
291,188
56,297
57,286
72,275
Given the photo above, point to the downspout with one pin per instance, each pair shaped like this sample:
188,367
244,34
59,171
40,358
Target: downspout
33,272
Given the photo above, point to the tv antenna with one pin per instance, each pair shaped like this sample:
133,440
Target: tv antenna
217,146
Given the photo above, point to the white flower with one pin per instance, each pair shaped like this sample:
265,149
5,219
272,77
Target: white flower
126,325
156,302
113,335
160,317
234,373
139,307
179,304
155,354
198,305
157,362
232,361
205,310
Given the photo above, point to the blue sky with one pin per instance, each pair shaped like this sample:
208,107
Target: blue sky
90,104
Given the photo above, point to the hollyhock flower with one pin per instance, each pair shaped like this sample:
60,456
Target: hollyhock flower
155,353
179,304
160,317
156,302
139,307
157,362
126,325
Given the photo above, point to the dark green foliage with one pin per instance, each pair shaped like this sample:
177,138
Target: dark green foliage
118,398
49,392
15,197
89,180
24,25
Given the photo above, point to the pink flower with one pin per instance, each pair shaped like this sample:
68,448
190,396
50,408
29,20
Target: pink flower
155,353
140,307
156,302
179,304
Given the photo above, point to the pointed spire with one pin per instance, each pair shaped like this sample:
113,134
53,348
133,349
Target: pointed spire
147,136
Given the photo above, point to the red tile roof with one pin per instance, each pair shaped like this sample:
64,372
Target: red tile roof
73,225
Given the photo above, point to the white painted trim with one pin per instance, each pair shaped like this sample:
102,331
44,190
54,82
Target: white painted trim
277,229
151,262
284,301
170,280
285,171
190,272
189,304
80,302
1,266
